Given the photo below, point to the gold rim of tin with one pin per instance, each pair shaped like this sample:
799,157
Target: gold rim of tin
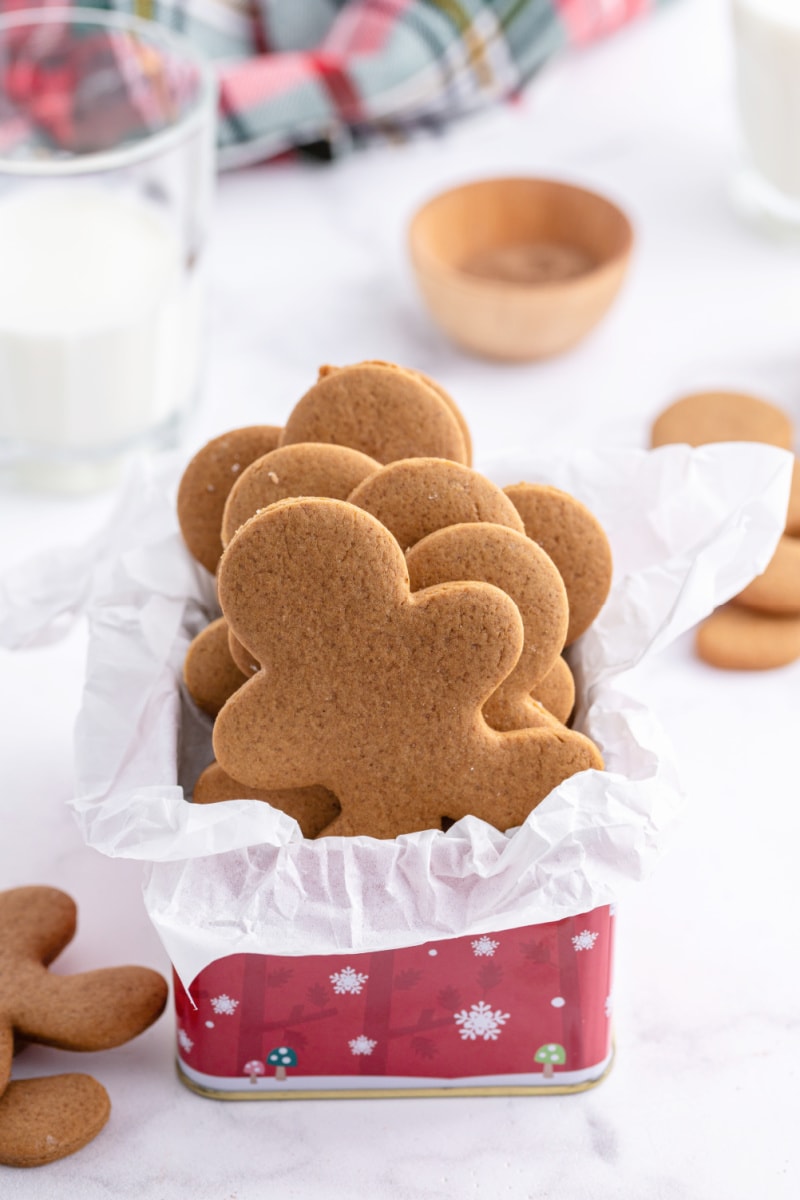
411,1093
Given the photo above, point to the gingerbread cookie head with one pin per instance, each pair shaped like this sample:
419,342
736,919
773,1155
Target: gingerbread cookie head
369,690
511,561
431,383
303,469
417,496
207,481
382,411
577,544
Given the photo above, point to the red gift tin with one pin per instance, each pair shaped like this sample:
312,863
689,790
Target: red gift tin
523,1011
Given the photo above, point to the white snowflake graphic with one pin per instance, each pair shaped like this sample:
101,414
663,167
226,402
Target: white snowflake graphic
185,1041
484,947
612,910
584,940
480,1022
609,1005
225,1005
348,982
362,1044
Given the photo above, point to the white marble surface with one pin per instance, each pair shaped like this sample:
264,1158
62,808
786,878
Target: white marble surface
309,266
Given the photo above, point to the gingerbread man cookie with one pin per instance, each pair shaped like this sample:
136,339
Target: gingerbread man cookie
707,417
91,1011
371,691
739,639
557,691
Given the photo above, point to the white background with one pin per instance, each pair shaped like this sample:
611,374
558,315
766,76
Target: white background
309,266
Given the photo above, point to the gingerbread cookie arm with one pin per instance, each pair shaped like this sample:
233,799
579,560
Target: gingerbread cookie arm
313,807
6,1053
91,1011
36,923
557,691
577,544
209,671
43,1120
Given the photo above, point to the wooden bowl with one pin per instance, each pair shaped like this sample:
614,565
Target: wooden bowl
519,269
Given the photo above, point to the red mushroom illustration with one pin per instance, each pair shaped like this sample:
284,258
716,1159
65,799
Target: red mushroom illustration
551,1054
254,1068
280,1058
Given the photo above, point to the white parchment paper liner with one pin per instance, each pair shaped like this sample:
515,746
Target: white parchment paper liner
689,528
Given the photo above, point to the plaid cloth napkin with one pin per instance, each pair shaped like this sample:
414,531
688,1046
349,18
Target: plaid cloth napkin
319,75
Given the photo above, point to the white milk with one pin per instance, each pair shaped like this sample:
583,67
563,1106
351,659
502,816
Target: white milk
98,322
767,36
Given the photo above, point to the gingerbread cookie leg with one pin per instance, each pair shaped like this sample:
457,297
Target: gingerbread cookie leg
42,1120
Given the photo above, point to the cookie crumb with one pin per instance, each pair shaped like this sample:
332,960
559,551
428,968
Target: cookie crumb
236,467
273,478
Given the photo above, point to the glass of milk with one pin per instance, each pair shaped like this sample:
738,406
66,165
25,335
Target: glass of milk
767,49
106,173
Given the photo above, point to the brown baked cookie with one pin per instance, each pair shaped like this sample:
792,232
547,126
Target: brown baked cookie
416,496
242,658
42,1120
557,691
313,807
304,469
739,639
209,672
369,690
437,387
793,513
706,417
511,561
577,544
207,481
384,412
90,1011
777,589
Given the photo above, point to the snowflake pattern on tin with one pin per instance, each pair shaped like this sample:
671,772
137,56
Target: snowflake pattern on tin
362,1044
609,1004
484,947
348,982
482,1021
224,1005
584,940
184,1040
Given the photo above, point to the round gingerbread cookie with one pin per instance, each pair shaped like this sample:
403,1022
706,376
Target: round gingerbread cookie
383,412
777,589
793,513
417,496
706,417
312,807
209,672
207,481
437,387
739,639
557,691
302,469
577,544
512,562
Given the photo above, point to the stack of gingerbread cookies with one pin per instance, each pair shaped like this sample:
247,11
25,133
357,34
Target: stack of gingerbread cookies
760,628
389,655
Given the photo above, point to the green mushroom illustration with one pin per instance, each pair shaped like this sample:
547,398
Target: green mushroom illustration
280,1058
552,1055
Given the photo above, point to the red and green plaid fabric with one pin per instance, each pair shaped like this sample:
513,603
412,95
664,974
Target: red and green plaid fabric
325,73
